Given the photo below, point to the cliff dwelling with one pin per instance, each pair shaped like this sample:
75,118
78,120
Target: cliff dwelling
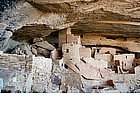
69,46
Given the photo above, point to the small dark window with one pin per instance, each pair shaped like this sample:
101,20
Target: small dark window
81,36
136,64
98,50
125,64
66,66
108,52
126,57
67,50
30,41
132,64
70,59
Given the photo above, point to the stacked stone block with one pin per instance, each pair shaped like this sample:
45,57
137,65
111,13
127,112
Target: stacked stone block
16,71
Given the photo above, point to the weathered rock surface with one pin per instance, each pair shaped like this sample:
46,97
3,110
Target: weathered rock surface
28,19
104,17
4,35
43,52
45,45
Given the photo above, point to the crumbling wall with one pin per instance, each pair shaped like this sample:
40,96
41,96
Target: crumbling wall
128,44
108,50
56,54
105,57
137,62
73,39
16,72
126,60
65,36
42,74
97,63
71,53
85,52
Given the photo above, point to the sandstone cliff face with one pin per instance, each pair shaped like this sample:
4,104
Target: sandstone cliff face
26,19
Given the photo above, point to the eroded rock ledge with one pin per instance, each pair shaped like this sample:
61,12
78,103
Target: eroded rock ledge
106,18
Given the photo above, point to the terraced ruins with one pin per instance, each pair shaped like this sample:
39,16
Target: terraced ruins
70,46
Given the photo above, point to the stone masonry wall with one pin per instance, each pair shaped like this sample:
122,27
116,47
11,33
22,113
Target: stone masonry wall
16,72
41,74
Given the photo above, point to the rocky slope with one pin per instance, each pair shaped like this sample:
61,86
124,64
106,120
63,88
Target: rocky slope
22,20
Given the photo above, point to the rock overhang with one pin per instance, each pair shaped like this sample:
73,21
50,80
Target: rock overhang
107,18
